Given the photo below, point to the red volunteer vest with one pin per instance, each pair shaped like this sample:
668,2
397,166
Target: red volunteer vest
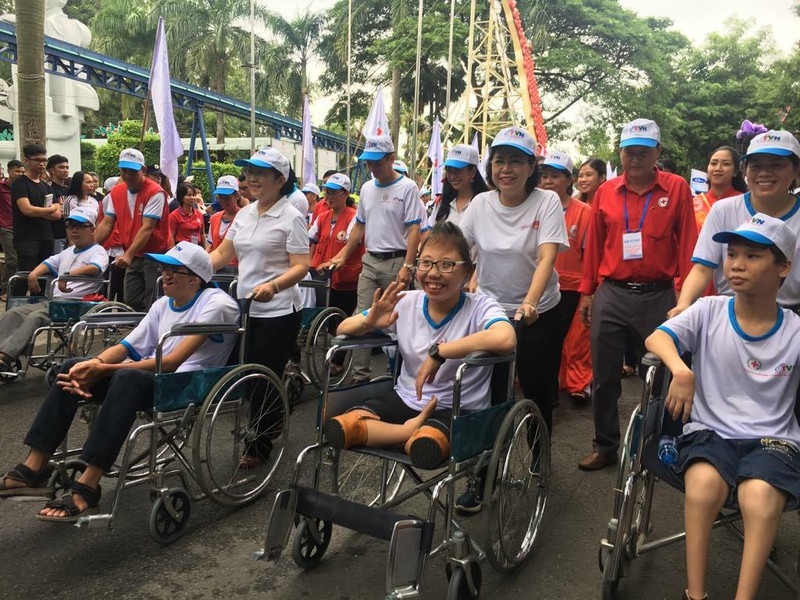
129,226
345,278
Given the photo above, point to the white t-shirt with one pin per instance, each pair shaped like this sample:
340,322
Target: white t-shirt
726,215
299,201
153,208
508,240
90,204
417,332
744,387
263,245
209,306
386,211
71,259
454,216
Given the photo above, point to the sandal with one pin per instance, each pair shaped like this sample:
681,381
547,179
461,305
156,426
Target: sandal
35,484
628,371
67,504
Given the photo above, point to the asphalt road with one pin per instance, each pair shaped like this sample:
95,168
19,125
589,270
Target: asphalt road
214,559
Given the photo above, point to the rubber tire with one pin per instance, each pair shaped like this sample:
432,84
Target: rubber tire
306,552
165,529
314,369
458,588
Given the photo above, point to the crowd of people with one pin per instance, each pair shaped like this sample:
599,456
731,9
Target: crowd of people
586,268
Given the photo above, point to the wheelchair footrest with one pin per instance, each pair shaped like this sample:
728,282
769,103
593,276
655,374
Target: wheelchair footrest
374,522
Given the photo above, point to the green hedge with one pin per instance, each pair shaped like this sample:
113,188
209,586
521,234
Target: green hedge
129,136
217,169
87,156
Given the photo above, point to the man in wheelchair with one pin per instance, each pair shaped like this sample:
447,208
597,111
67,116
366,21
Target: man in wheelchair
435,327
740,446
122,378
83,257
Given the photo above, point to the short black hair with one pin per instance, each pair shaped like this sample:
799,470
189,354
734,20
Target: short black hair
328,173
56,159
242,176
14,163
450,232
291,182
29,150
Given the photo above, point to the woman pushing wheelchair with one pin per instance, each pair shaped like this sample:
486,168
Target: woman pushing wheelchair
436,326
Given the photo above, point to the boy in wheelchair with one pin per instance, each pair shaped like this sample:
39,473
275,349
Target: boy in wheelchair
435,327
83,257
741,445
124,376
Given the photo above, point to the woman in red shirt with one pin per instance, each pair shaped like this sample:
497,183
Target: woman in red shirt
725,179
186,222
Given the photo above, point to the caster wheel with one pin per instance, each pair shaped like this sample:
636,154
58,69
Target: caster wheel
11,375
458,588
169,515
310,542
64,475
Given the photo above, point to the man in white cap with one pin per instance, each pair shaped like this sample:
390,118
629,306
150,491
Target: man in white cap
389,214
83,257
640,238
122,379
313,194
140,211
227,202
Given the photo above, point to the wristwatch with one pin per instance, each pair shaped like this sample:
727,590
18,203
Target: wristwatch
433,352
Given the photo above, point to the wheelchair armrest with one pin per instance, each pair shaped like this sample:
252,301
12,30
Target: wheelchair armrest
204,329
82,278
651,360
484,359
316,284
369,340
115,318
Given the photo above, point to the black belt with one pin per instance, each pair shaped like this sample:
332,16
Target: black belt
387,255
639,287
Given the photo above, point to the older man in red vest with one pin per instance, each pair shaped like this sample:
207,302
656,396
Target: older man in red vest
139,208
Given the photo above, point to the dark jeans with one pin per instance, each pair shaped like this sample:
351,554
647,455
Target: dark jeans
538,356
269,342
30,254
346,300
130,390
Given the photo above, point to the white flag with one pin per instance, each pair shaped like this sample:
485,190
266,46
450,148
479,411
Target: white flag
481,162
309,172
161,97
611,172
436,154
377,123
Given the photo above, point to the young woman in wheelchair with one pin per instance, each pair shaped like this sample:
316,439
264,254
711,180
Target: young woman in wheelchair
742,444
435,327
122,379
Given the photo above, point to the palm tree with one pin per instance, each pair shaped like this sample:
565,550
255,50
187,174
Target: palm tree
30,74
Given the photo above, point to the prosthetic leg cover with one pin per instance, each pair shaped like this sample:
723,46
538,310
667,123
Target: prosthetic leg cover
348,430
428,447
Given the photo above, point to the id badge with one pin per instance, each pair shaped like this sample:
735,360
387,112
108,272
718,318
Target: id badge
195,239
632,245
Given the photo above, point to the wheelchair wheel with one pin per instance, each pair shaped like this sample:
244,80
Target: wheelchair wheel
12,375
85,345
458,586
319,341
516,487
310,542
294,387
169,515
51,374
364,479
65,474
246,408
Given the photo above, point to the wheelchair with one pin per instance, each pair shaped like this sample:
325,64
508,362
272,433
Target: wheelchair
199,428
629,530
317,330
52,344
506,447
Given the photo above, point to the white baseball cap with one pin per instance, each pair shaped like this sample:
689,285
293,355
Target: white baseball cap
191,256
765,230
777,142
269,158
226,185
338,181
110,183
82,215
311,187
400,167
559,160
377,147
641,132
131,158
461,155
516,137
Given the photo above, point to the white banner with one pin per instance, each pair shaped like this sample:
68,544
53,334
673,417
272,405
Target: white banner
699,181
161,96
377,123
309,174
481,161
611,172
436,154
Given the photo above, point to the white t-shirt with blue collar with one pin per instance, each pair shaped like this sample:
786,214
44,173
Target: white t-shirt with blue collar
69,260
210,306
745,386
417,332
386,211
728,214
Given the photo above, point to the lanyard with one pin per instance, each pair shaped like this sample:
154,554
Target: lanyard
644,210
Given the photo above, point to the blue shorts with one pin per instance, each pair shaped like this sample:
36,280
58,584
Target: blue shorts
772,460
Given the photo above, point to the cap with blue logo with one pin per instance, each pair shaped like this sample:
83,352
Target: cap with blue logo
267,158
81,214
559,160
191,256
516,137
765,230
131,158
640,132
227,185
779,143
460,156
400,167
377,147
338,181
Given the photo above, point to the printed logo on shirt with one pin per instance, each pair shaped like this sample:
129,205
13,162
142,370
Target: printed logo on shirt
534,225
662,202
573,232
393,200
784,369
754,364
141,208
341,236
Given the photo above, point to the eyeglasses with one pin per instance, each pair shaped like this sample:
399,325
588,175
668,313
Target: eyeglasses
332,192
445,266
74,225
173,271
38,160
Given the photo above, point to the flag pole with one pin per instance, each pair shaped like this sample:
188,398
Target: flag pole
450,61
252,76
415,129
349,80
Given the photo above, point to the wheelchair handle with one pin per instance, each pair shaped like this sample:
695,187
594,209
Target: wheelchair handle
651,360
86,278
483,358
369,340
316,284
117,318
203,329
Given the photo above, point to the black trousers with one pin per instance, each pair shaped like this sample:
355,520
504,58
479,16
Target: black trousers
30,254
129,391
